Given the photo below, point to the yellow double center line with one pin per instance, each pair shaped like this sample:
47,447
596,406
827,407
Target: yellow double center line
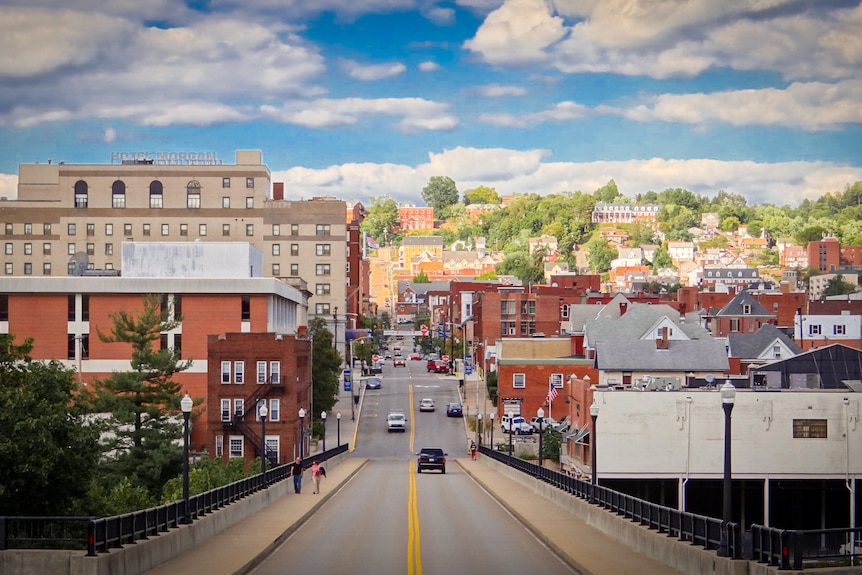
414,547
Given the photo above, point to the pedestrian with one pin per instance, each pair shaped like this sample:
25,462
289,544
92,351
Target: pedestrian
473,449
317,472
296,473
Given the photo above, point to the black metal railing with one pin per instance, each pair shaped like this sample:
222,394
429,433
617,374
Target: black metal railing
793,549
100,534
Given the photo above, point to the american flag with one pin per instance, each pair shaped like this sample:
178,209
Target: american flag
552,392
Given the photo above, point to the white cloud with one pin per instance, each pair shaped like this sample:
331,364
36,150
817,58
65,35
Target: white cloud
517,33
528,171
499,90
440,15
561,112
372,72
415,113
110,135
428,66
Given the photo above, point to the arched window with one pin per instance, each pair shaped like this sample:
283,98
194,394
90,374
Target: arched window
81,189
193,194
118,194
156,189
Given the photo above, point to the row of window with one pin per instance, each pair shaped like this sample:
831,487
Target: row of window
236,446
266,372
321,250
509,307
235,409
72,229
519,380
837,329
78,345
527,328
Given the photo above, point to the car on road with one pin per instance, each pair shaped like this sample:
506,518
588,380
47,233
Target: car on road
515,424
373,383
431,458
426,404
415,356
547,423
399,362
396,421
438,366
454,409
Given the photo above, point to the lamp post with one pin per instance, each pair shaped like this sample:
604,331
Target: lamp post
491,415
302,413
186,404
262,413
511,432
335,328
728,397
323,421
594,416
541,414
338,428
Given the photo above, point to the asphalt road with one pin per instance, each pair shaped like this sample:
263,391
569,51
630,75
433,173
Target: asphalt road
390,520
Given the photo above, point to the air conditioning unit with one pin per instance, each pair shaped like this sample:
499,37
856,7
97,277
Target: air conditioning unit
511,331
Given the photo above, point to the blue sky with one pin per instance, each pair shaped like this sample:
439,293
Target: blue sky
368,98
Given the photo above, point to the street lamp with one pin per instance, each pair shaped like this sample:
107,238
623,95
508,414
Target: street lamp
338,435
479,429
511,432
302,413
541,414
323,421
728,397
594,416
186,404
491,415
263,412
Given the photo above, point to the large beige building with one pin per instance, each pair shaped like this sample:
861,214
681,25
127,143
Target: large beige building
73,217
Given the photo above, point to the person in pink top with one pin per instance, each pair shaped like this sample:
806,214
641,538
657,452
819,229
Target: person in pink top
317,471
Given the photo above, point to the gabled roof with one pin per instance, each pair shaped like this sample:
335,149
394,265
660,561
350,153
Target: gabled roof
831,365
683,356
734,308
752,345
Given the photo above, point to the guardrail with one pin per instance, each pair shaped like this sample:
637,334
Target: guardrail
100,534
786,549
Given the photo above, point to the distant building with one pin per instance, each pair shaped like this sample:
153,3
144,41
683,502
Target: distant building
624,213
414,218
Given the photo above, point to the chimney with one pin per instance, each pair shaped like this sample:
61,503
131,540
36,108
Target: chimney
623,307
731,290
278,190
662,343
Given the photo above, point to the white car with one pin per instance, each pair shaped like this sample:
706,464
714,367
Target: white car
426,404
547,423
515,424
396,421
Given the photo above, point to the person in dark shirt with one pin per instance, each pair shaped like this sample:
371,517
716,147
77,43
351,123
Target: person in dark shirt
296,473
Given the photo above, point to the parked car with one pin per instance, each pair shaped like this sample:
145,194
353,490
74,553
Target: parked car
426,404
438,366
431,458
399,362
373,383
396,421
454,409
548,423
515,424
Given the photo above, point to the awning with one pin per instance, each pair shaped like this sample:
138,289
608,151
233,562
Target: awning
580,435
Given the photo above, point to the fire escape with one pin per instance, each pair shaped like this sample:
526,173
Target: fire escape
244,420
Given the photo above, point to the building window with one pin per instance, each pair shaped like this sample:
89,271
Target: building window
238,407
81,194
235,445
109,249
276,269
294,270
109,229
9,269
274,410
225,202
46,229
274,372
836,329
322,230
225,372
323,289
166,229
249,202
809,429
91,229
276,229
193,194
245,313
324,249
156,190
28,268
734,324
4,307
91,249
814,329
225,229
746,309
118,194
225,182
321,309
46,248
219,446
322,269
8,229
249,182
46,269
184,229
202,229
9,248
261,372
276,249
564,311
519,380
225,410
294,229
70,229
294,249
146,229
238,371
127,230
249,229
557,379
28,249
70,249
85,307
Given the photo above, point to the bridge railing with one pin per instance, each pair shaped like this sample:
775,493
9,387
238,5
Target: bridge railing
100,534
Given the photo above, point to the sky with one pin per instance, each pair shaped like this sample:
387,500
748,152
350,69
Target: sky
362,99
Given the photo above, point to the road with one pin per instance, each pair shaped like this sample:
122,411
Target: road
390,520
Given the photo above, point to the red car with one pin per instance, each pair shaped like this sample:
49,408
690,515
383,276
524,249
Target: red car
415,356
438,366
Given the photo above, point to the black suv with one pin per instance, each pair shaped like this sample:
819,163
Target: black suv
431,458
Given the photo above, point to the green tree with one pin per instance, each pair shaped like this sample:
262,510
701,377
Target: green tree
607,193
661,258
520,265
440,193
839,286
600,254
641,233
481,195
326,368
143,404
730,224
208,473
381,218
809,234
421,278
48,453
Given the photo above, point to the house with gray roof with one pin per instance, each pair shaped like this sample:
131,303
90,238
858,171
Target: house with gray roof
742,314
765,345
